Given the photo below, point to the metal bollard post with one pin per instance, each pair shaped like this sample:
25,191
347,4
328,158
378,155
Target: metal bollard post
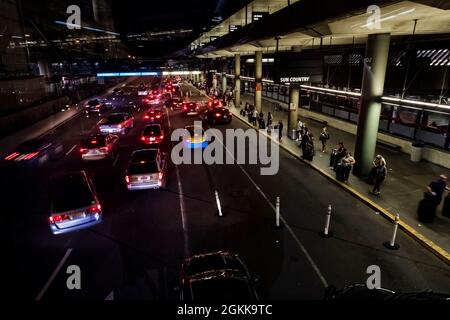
326,233
277,213
391,244
219,207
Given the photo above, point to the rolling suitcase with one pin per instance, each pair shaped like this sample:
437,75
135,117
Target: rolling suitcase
333,158
426,211
340,172
446,208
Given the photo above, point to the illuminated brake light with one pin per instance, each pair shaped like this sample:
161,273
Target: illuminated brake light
31,156
160,176
127,179
161,137
104,149
120,126
57,218
218,115
146,117
12,156
158,117
143,138
83,150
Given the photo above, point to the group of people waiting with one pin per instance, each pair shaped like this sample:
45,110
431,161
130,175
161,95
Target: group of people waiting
341,160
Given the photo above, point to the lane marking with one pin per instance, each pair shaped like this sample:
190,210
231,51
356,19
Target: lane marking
53,276
99,121
115,160
70,150
288,227
181,198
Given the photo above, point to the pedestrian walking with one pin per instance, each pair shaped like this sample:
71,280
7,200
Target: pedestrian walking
280,130
255,117
269,119
379,160
324,137
380,175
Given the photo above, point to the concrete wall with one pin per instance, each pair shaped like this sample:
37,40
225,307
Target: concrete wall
430,154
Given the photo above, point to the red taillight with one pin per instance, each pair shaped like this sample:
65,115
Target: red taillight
158,117
83,150
120,126
94,209
104,149
146,117
197,107
127,179
58,218
160,176
30,156
161,137
184,108
12,156
218,115
143,138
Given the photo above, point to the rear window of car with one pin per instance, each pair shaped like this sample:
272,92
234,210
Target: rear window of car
152,131
221,289
97,141
212,262
143,168
116,118
70,193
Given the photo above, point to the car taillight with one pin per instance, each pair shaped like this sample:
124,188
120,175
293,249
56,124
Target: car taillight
104,148
160,176
120,126
158,117
197,107
161,137
184,108
127,179
218,115
58,218
94,209
143,138
146,117
83,150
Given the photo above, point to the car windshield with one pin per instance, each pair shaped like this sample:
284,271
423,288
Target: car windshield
70,193
152,131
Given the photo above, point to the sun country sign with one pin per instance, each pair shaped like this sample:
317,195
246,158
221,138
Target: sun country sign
294,79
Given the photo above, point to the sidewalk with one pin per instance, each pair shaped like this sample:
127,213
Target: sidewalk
401,191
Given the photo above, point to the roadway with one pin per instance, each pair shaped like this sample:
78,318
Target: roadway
136,252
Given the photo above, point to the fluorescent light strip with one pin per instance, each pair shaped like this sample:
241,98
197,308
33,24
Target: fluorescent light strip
76,26
390,99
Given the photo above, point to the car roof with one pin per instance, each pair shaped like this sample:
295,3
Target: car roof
212,262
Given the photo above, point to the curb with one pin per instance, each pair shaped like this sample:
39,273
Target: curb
423,240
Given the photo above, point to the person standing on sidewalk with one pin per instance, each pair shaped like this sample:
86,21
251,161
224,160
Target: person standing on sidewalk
269,119
280,130
324,137
299,130
376,162
437,188
380,175
255,117
346,164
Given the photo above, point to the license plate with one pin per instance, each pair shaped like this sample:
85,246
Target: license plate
144,178
78,215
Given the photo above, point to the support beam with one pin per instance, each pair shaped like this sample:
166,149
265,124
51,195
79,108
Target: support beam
258,80
224,82
375,64
294,95
237,80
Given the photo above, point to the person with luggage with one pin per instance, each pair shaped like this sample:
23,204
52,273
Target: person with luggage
380,175
269,120
345,167
280,130
308,149
299,130
436,188
324,137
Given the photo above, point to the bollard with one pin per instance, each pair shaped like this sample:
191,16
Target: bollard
219,207
326,233
277,213
391,244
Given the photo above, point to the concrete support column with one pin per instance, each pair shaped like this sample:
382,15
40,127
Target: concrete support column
375,64
224,82
294,96
258,80
237,80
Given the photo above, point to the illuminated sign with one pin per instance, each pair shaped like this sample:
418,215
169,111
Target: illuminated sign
294,79
232,27
256,16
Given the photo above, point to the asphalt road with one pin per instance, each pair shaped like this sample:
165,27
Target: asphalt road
136,252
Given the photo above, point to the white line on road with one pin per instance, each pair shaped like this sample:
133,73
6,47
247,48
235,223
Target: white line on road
99,121
53,276
296,239
181,198
115,160
70,150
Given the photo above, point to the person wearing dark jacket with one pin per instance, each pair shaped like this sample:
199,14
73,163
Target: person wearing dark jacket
308,149
380,175
280,129
437,188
